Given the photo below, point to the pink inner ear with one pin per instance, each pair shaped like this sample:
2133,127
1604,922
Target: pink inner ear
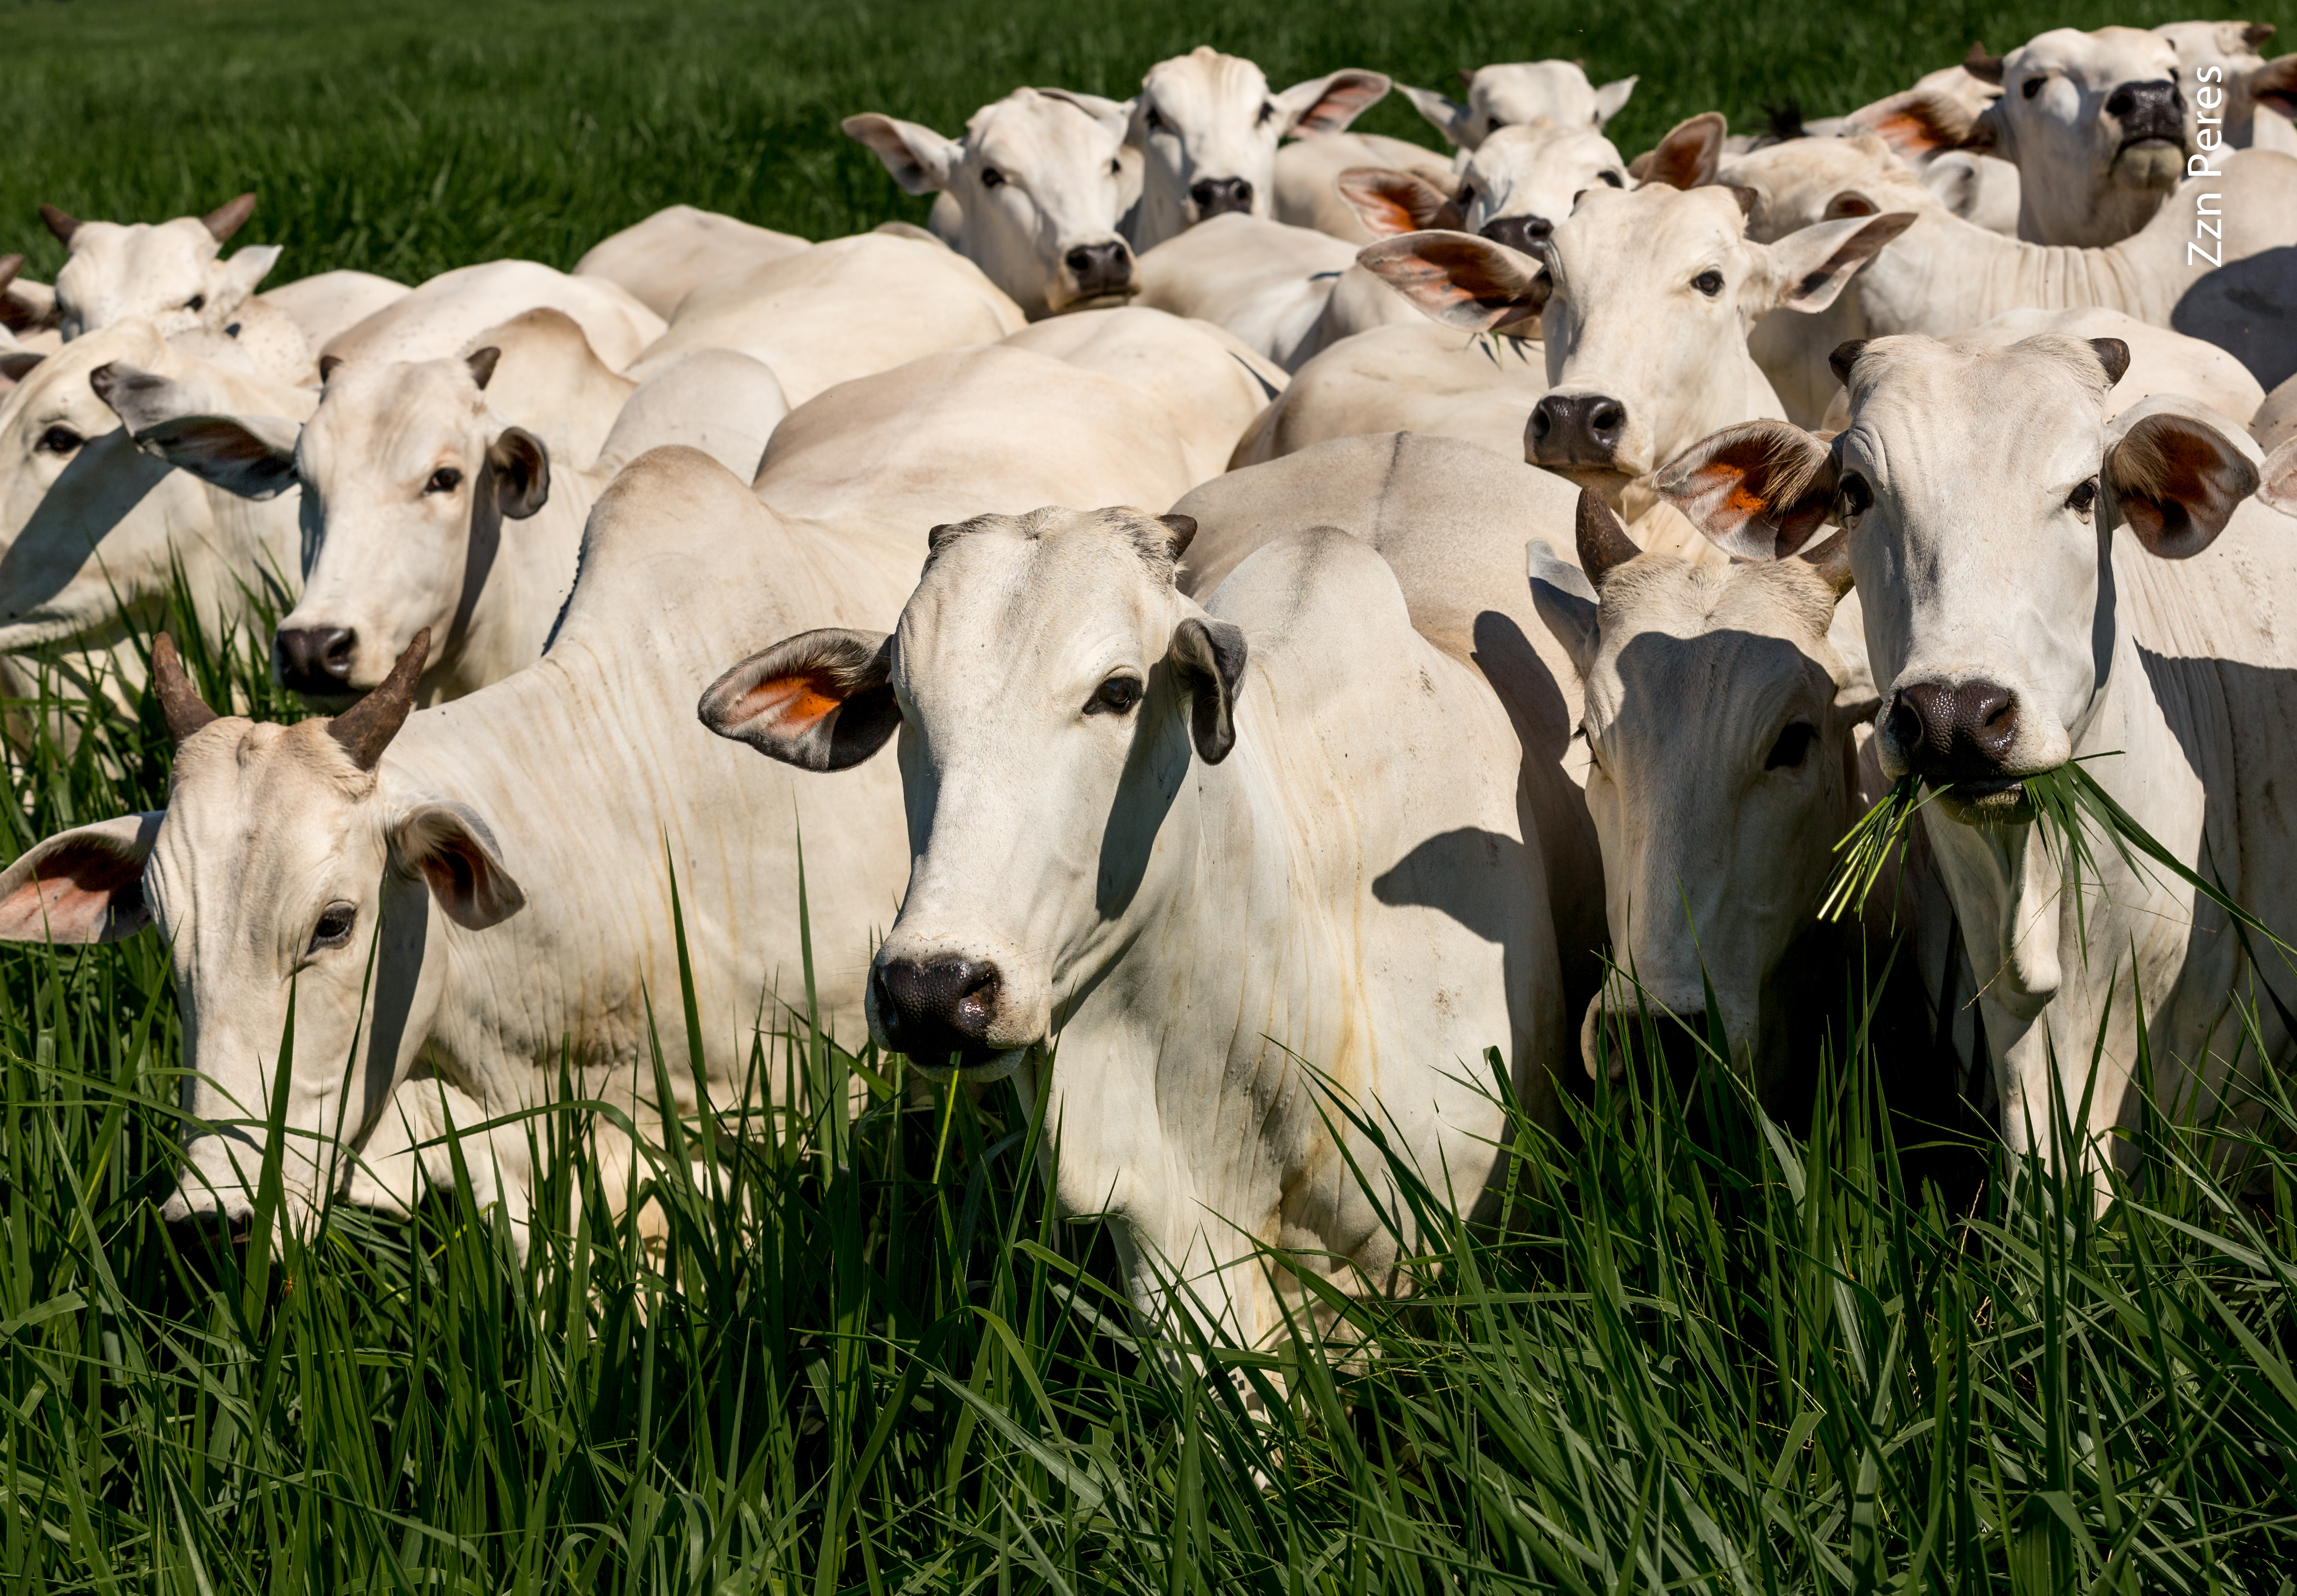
72,894
792,705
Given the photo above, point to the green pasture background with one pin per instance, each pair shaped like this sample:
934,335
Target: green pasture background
406,138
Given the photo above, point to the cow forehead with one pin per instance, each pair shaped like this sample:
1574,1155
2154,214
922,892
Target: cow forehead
258,813
1612,229
1529,88
1025,593
2036,405
1204,79
1020,131
1523,153
392,409
2109,55
58,386
1690,655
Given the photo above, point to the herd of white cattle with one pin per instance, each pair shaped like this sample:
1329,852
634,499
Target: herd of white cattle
1949,438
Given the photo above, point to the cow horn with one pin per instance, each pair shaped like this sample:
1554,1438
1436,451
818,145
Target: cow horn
64,226
482,363
1831,560
10,265
365,729
1183,529
1845,355
224,220
1985,68
327,364
1604,542
180,704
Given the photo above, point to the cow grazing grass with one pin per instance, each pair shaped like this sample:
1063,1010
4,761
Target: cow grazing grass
1711,1351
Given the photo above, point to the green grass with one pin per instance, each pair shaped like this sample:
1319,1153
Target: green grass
1710,1353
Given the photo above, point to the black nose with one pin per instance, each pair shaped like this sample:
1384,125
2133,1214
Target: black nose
1100,268
1214,195
314,659
2153,110
930,1008
1521,233
1955,734
1576,429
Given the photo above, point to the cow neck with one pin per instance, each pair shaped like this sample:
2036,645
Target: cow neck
1948,274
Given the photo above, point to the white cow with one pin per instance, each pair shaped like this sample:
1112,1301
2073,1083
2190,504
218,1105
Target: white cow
91,525
2097,126
2234,88
1945,275
678,249
2040,586
1207,125
841,309
1225,883
1032,193
452,897
1647,297
442,317
1287,292
1519,92
1416,377
1519,183
1204,380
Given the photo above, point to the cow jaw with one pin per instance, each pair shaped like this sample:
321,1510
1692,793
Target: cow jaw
1043,740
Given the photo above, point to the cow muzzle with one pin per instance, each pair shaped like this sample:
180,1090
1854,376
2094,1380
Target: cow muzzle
944,1012
315,661
1522,234
1577,435
1098,272
2148,113
1217,196
1961,735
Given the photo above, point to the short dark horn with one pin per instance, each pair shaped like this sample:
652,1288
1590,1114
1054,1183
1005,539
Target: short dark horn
64,226
1604,542
180,704
10,265
224,220
1831,560
1845,355
365,729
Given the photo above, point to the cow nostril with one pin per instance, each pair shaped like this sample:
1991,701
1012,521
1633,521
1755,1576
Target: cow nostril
1541,424
2122,104
1905,723
1539,226
1608,417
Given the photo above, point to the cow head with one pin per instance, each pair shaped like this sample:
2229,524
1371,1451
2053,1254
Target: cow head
2225,73
169,275
284,867
1805,181
407,477
2098,126
89,524
1979,489
1648,297
1517,94
1051,687
1035,190
1518,185
1719,720
1207,125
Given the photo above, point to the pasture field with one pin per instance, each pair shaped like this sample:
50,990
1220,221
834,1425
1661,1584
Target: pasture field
1710,1351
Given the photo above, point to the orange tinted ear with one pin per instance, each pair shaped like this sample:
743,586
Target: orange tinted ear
1918,123
1461,280
1760,489
1688,155
820,701
83,885
1391,202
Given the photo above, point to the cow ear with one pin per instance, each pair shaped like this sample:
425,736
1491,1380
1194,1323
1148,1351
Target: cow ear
1390,202
16,364
1209,656
1446,115
519,466
920,159
820,701
1760,489
1327,104
252,456
83,885
1566,602
1461,280
2278,479
1916,124
1810,266
1688,155
1990,134
1611,99
236,278
2175,477
450,847
2274,85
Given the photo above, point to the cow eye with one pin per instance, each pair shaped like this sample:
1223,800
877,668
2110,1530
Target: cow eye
334,928
1848,203
445,479
1156,122
1710,282
2031,86
1267,112
1613,179
1115,697
198,302
1792,748
991,178
2082,498
1857,496
58,441
1115,169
